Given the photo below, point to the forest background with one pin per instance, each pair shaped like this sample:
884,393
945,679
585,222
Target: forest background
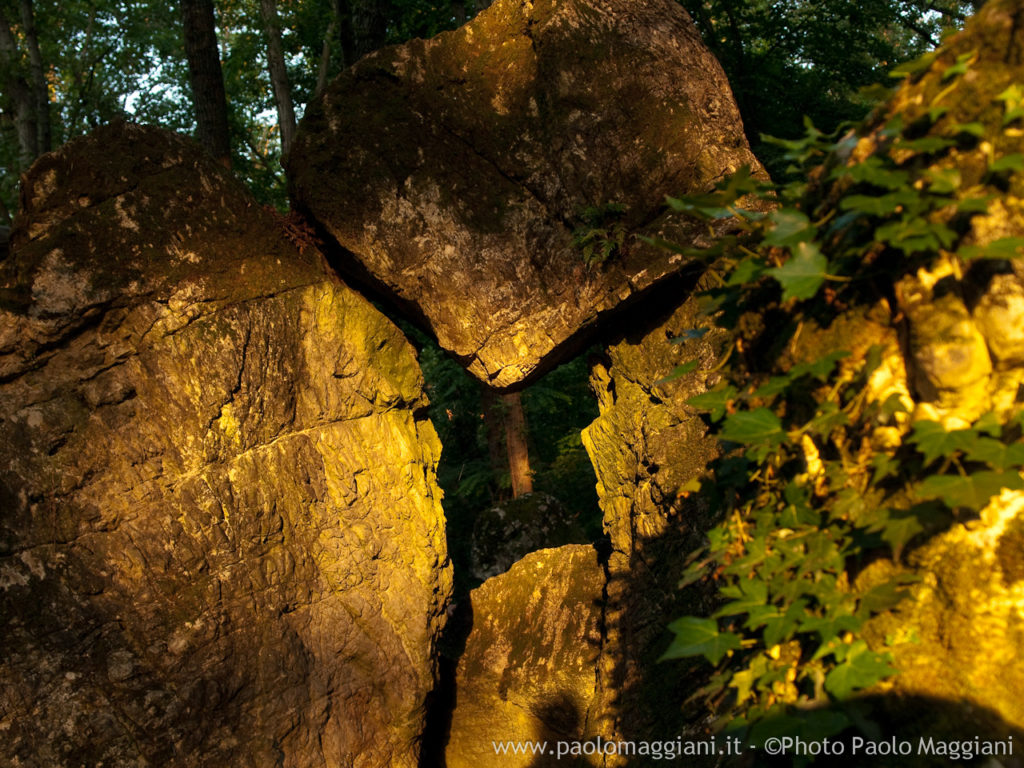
238,73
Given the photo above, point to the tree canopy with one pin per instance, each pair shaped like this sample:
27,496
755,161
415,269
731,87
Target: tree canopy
67,67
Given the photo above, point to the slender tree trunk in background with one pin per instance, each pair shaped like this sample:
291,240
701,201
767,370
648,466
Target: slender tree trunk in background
482,4
343,14
278,74
363,27
18,97
459,12
206,78
505,423
325,60
369,25
515,440
40,90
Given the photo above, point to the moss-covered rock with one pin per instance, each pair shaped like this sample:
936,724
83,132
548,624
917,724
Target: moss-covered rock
458,170
221,541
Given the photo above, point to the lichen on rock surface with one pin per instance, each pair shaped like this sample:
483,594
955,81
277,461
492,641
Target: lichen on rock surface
221,540
459,172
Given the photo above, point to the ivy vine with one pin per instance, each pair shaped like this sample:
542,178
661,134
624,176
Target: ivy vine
817,477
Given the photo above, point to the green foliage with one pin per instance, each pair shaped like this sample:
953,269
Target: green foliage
557,408
808,493
785,60
601,233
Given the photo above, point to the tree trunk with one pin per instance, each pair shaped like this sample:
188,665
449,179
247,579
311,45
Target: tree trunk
40,91
206,78
459,12
363,27
343,11
18,97
325,60
515,441
505,424
369,25
278,74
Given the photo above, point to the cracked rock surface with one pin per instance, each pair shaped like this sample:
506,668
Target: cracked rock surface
456,171
221,541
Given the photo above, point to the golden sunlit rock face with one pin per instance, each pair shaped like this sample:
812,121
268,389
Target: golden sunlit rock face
530,669
958,639
221,542
468,175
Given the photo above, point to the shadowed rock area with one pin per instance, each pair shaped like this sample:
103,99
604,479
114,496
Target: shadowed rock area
473,175
221,541
647,447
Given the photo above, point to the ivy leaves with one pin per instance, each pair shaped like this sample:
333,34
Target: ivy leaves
817,477
700,637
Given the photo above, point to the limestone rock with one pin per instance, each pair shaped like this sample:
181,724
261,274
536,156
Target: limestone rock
457,170
647,446
529,670
221,541
956,639
506,532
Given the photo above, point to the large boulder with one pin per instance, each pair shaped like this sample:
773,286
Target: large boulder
221,541
473,176
530,667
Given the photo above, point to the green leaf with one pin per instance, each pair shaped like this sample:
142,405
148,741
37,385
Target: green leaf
790,228
1004,248
944,181
803,274
753,427
821,368
912,235
879,205
881,598
753,595
828,627
873,171
899,528
925,145
862,668
747,271
744,680
700,637
773,386
714,402
975,129
679,371
973,204
1014,162
973,491
996,454
932,440
960,68
919,64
